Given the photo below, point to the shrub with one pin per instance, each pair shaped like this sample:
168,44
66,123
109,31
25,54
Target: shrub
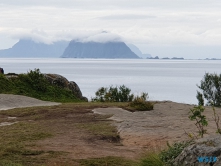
113,94
210,86
140,103
35,80
168,156
196,114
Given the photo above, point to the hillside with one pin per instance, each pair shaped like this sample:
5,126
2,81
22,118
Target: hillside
109,50
48,87
31,49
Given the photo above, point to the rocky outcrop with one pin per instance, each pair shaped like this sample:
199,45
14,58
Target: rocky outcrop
62,82
206,147
57,80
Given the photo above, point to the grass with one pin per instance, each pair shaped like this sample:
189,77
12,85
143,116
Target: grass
16,139
18,142
109,161
152,159
102,129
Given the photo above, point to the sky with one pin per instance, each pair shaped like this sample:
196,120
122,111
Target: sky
164,28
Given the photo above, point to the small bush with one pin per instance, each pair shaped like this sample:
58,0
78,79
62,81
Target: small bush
168,156
113,94
201,121
35,80
122,94
140,103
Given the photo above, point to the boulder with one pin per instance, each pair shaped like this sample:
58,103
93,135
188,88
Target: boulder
206,147
62,82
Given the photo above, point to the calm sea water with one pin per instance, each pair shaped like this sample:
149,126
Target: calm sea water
173,80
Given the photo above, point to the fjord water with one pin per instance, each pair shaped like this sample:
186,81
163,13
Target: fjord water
173,80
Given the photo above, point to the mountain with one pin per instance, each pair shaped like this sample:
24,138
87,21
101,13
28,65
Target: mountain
137,51
31,49
109,50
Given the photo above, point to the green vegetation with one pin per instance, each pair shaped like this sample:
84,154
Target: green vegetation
165,157
34,84
123,94
211,90
102,129
16,142
113,94
169,155
216,119
196,114
152,159
139,103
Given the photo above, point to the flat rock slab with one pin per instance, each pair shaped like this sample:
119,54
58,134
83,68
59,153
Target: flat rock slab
8,101
167,122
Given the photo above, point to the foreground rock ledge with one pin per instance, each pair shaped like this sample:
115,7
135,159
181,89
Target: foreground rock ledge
205,147
9,101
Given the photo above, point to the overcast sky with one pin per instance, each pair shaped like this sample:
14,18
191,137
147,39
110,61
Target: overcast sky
164,28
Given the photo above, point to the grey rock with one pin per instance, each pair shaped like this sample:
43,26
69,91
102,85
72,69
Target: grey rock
75,89
205,147
62,82
156,57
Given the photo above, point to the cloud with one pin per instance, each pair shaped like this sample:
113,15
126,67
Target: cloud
104,4
127,17
103,37
40,36
142,22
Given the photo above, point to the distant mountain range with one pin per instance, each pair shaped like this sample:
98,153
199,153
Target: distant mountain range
137,51
73,49
31,49
110,50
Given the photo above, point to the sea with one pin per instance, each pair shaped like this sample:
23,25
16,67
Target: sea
163,80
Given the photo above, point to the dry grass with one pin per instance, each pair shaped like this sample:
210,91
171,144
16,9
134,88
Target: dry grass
19,142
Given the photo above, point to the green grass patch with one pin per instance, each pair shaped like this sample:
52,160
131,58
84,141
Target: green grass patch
15,141
102,129
9,163
152,159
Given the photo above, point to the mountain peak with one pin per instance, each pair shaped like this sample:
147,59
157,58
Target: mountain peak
108,50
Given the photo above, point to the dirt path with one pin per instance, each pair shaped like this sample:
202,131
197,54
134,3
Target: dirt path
8,101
